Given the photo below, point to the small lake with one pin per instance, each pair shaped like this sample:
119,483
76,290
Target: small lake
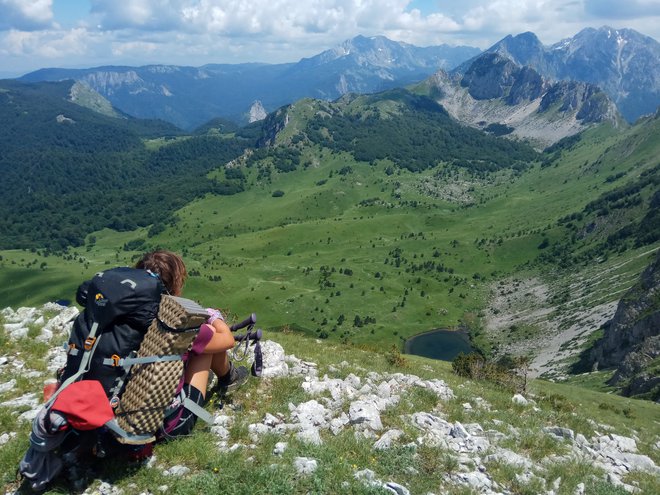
444,345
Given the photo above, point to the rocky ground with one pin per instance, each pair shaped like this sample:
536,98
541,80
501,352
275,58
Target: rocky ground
357,403
522,318
551,320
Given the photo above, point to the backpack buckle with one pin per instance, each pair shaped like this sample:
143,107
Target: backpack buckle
89,343
115,359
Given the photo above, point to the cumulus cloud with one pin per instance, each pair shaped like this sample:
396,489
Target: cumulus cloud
516,16
158,15
26,15
195,32
50,44
287,18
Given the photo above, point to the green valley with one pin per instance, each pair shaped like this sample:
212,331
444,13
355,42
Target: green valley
325,233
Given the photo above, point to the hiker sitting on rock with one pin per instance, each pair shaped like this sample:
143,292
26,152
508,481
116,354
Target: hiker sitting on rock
157,273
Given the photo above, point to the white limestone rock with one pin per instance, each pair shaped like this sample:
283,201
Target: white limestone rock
280,448
395,488
365,414
274,364
305,465
560,432
28,400
7,386
310,435
387,439
177,470
6,437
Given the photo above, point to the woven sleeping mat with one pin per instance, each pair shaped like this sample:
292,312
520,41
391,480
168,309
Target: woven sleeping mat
152,386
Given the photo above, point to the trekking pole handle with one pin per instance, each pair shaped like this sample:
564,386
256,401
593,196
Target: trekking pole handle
251,320
254,336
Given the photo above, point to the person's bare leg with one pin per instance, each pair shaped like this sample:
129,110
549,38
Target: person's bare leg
197,371
220,363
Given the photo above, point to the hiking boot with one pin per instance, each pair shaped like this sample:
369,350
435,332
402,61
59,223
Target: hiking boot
236,377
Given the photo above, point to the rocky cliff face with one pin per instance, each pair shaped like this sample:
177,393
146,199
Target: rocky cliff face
632,338
622,62
273,124
257,112
493,76
497,90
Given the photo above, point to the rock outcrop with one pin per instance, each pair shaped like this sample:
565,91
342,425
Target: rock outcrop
495,91
631,341
622,62
257,112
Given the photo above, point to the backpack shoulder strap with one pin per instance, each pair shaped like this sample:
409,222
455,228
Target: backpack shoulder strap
91,342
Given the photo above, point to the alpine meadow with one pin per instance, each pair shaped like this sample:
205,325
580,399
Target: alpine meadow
351,226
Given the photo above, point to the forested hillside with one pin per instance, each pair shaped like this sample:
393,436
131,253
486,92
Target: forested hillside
414,132
68,171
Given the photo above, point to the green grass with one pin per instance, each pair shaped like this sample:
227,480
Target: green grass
257,470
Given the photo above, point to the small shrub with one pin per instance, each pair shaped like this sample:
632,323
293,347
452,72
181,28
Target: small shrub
395,358
476,367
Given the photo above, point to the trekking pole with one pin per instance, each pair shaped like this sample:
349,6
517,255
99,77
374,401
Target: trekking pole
243,341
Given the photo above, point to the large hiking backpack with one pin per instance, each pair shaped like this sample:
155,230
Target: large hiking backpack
118,379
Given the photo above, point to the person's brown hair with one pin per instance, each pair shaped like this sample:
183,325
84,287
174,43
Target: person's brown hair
169,266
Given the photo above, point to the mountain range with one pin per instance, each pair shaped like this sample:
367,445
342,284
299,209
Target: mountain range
623,63
499,96
191,96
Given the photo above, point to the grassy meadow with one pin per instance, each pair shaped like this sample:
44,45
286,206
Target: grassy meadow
361,252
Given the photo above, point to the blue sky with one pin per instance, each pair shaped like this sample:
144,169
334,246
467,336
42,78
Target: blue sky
87,33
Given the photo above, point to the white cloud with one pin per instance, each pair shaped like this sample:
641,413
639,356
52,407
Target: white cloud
49,44
195,32
550,20
25,14
143,14
134,48
286,18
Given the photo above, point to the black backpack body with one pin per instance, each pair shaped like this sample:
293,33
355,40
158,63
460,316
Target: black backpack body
123,302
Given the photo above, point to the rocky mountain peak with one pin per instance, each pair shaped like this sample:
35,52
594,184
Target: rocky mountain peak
494,76
489,76
521,48
257,112
622,62
496,90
